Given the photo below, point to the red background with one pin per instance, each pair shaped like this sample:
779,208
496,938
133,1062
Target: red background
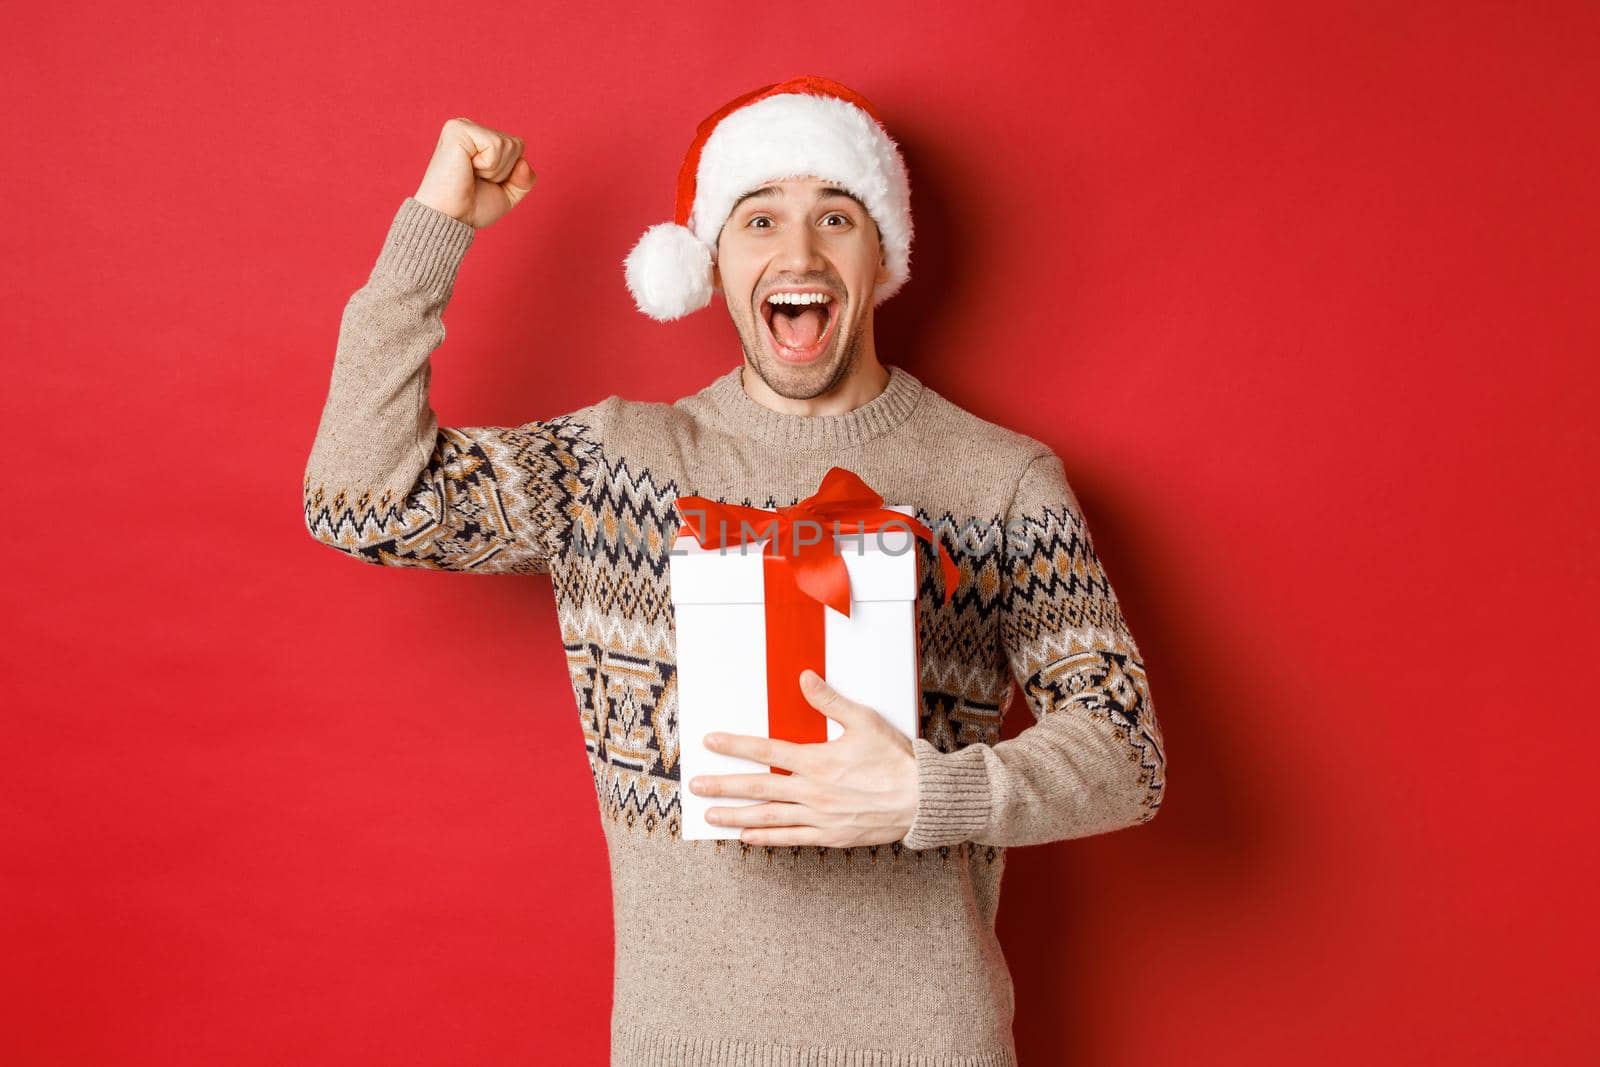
1303,294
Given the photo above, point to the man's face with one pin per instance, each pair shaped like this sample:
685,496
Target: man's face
802,235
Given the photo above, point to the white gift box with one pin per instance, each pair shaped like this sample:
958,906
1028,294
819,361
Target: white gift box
718,600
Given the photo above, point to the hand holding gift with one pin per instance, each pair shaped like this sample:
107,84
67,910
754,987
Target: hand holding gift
859,789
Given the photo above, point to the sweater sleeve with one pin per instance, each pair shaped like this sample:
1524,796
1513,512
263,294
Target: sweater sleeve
1093,760
384,482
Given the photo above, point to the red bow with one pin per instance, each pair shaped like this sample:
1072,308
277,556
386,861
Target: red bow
843,504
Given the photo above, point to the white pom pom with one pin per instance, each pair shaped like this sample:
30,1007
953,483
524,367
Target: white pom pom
669,272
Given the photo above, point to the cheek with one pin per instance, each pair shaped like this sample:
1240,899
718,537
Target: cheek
735,277
742,291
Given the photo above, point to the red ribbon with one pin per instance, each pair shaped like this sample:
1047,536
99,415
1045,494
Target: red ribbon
843,504
800,577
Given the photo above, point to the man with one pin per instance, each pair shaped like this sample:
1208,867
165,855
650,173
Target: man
853,921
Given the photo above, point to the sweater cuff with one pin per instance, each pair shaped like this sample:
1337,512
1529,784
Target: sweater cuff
424,248
952,796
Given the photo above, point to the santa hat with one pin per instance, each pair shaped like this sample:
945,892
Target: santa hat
804,127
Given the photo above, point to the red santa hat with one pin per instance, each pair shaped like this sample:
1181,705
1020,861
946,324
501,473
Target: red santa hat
804,127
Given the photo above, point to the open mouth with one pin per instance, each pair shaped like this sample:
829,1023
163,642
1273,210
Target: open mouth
799,325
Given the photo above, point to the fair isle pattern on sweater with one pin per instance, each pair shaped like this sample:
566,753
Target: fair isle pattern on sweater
587,498
608,528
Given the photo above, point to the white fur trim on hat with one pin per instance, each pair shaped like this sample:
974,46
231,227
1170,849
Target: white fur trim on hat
787,135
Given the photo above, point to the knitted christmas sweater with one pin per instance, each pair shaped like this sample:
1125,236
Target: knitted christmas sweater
729,953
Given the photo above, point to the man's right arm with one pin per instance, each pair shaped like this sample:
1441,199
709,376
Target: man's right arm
384,482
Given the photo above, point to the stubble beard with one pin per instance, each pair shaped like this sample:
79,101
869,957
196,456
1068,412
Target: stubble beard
800,382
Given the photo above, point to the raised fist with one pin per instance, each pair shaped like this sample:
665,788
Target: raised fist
476,174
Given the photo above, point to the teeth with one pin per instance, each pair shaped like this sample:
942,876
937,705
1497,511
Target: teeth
799,298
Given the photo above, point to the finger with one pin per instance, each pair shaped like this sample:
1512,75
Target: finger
772,751
775,814
784,836
757,786
828,700
519,183
477,141
487,157
464,132
504,159
509,155
518,158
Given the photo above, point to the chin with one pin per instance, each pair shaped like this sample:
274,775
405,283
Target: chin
796,380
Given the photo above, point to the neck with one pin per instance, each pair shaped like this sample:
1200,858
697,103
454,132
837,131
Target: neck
867,380
740,413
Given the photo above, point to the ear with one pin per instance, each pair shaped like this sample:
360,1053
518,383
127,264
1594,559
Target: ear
883,254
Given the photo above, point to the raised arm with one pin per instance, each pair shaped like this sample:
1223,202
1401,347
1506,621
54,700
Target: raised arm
1093,760
385,483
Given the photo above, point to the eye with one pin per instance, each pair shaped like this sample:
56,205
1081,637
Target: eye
838,215
758,218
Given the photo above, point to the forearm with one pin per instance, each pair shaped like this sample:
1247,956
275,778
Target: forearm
377,429
1091,764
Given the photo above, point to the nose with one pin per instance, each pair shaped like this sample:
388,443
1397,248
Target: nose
799,252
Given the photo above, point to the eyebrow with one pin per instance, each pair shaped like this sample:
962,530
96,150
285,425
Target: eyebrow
770,191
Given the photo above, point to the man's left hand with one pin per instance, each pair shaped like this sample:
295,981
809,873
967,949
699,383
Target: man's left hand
858,789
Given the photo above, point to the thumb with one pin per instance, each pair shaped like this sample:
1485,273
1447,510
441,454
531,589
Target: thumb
519,182
826,699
